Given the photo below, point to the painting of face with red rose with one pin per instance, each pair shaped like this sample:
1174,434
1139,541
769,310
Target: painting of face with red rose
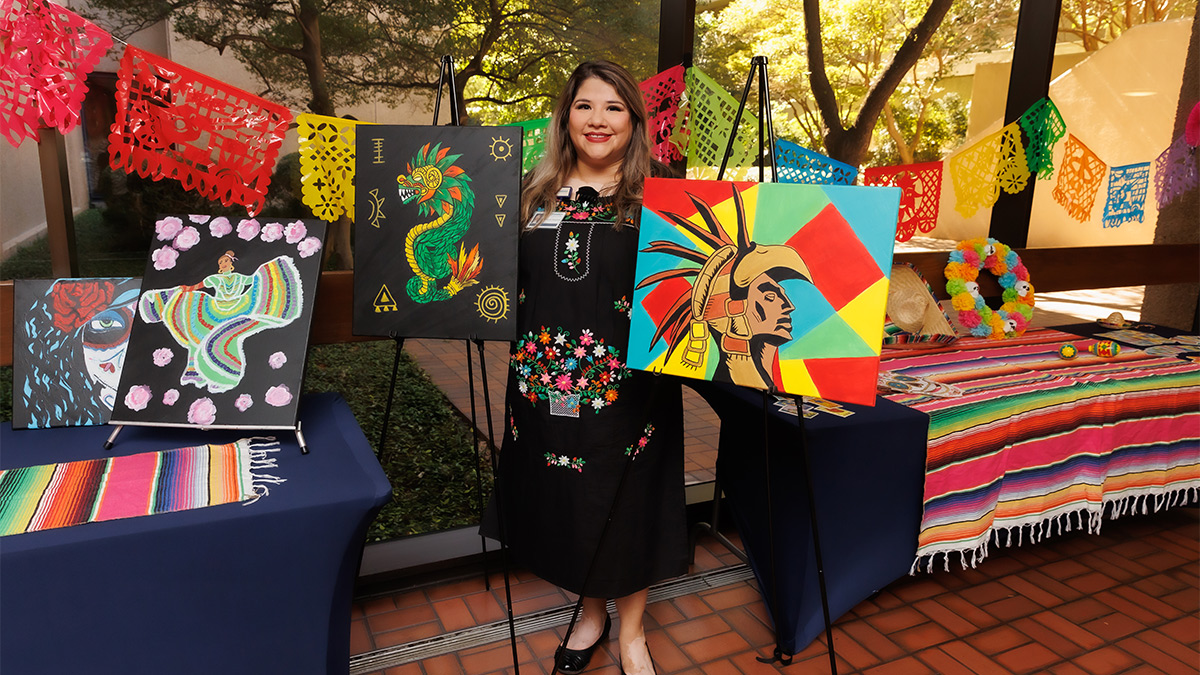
69,349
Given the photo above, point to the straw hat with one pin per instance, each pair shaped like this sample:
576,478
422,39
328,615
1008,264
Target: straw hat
914,317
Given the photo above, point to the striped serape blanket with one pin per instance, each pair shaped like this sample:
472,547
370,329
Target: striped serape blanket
43,497
1038,444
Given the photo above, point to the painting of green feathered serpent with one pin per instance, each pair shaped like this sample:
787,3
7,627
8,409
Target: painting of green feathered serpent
435,231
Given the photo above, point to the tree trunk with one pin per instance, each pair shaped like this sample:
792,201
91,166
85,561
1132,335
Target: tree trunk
906,152
851,145
337,241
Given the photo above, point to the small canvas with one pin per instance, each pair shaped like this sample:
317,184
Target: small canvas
221,325
772,286
69,343
436,231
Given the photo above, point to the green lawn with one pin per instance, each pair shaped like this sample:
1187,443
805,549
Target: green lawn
428,458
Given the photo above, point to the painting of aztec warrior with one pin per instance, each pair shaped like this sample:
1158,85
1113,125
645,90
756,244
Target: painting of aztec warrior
214,326
434,249
770,286
69,349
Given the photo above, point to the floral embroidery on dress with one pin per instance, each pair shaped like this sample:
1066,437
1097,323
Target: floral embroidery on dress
563,460
586,210
558,364
571,251
521,297
512,424
623,305
636,448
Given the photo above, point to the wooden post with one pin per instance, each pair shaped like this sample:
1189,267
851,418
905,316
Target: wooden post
56,192
1029,81
676,32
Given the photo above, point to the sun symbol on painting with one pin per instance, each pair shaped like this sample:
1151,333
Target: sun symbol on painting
492,303
501,149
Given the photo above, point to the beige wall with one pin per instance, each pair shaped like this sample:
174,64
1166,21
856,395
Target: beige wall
1120,102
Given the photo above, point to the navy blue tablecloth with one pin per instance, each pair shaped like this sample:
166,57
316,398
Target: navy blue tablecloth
260,588
868,476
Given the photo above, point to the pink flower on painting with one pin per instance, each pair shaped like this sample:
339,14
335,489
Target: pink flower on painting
248,229
295,231
563,382
279,396
272,232
162,356
164,258
138,397
219,227
309,246
171,396
188,237
243,402
167,228
199,219
277,360
202,412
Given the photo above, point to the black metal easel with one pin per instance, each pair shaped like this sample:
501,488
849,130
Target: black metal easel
758,65
446,78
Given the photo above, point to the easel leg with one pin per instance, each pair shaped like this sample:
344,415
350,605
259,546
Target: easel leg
300,439
381,451
816,537
474,455
113,436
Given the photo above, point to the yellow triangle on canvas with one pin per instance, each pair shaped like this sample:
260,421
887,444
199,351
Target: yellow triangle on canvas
796,380
864,314
500,199
500,219
727,213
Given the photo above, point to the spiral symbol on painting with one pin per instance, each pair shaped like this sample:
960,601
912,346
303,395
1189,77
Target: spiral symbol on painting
492,303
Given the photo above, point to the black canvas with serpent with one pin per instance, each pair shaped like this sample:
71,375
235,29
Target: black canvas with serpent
436,231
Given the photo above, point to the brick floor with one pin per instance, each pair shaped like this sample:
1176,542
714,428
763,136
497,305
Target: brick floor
1008,617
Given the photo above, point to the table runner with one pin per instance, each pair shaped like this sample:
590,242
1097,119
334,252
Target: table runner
72,493
1038,444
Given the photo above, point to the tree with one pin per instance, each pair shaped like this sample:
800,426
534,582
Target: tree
1095,23
880,61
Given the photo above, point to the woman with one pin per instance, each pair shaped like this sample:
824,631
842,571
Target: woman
584,435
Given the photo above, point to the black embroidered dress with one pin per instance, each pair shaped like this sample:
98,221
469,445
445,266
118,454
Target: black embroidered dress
577,417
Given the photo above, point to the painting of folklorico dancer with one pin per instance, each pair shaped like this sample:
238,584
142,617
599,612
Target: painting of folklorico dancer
68,349
772,286
220,328
436,230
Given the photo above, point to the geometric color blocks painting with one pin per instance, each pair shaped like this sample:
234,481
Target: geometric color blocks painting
436,231
69,347
220,328
772,286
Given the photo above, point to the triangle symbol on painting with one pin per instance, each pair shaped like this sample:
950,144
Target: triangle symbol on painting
500,199
500,219
384,302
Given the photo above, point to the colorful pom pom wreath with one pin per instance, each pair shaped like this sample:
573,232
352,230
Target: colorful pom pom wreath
966,260
1068,351
1105,348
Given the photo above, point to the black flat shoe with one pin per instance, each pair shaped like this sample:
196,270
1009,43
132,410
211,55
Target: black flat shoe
575,660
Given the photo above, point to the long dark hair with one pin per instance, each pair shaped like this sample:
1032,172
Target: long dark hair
543,183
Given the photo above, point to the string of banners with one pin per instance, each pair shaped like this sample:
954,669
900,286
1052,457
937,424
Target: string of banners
223,142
